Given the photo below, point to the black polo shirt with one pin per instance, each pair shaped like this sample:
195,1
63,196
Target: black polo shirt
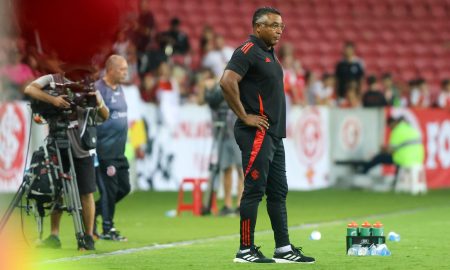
347,71
261,88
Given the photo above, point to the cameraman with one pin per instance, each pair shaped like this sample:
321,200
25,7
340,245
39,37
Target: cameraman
113,178
83,162
229,155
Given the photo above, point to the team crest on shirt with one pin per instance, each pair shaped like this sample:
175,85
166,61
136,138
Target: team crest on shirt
111,171
254,174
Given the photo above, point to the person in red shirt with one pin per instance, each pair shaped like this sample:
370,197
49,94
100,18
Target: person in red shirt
443,100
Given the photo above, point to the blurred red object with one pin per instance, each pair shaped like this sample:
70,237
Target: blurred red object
72,31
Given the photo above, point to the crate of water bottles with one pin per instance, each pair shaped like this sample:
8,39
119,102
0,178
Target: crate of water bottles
366,240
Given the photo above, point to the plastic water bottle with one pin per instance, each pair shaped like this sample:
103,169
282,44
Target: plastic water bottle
353,251
171,213
373,250
394,237
382,250
363,251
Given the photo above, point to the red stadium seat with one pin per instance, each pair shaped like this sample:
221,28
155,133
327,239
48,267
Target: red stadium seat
403,36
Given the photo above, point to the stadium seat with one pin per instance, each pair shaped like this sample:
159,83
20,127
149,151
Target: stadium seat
406,35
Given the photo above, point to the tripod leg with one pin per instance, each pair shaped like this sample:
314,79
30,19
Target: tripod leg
214,174
15,201
39,214
70,198
76,207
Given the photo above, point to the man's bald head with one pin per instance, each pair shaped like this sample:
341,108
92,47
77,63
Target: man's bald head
114,61
116,69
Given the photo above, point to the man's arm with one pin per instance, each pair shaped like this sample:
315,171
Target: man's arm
34,90
229,84
102,109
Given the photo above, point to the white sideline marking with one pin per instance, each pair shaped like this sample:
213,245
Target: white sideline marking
218,238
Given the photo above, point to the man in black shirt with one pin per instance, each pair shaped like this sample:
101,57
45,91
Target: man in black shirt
253,87
350,68
175,37
373,96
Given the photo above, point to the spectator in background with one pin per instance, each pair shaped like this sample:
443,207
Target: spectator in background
16,75
121,44
144,30
206,39
168,97
391,92
352,96
326,95
420,95
373,96
443,100
181,78
133,72
294,77
174,41
405,93
217,55
313,85
350,68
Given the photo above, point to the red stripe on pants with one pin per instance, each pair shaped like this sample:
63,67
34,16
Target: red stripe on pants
257,143
243,232
248,230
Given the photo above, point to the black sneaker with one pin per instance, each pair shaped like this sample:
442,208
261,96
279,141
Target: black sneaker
89,243
50,242
225,211
254,255
113,235
293,256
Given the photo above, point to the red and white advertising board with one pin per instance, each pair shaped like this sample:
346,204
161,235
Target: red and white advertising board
307,148
14,131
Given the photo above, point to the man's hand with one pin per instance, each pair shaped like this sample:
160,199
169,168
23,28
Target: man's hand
61,102
259,121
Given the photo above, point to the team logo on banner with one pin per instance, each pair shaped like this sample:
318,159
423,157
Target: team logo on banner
350,133
310,141
309,137
12,141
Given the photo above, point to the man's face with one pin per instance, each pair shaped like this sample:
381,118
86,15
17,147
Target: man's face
270,29
119,71
349,51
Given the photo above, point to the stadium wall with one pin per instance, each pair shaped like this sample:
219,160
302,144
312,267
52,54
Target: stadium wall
317,137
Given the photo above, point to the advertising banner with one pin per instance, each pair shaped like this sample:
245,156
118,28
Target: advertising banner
14,132
307,148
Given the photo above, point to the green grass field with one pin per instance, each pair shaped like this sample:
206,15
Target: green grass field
211,242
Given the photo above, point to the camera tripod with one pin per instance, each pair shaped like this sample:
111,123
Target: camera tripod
63,184
214,167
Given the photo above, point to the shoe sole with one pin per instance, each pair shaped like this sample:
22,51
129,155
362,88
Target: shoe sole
289,261
238,260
